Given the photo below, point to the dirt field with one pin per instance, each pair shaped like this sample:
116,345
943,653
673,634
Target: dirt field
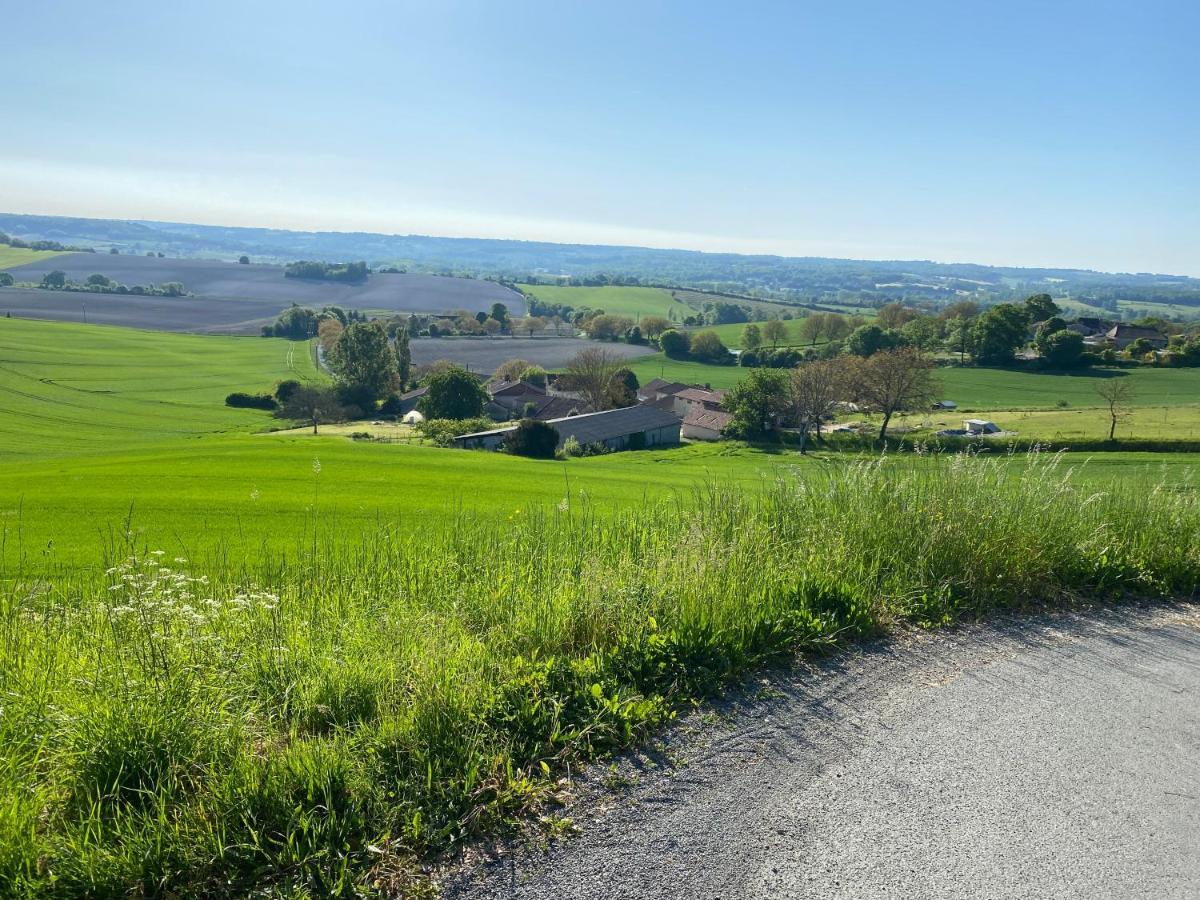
231,298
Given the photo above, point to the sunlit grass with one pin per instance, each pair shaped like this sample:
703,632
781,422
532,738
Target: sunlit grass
321,716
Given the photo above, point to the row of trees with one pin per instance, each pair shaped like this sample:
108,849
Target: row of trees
887,383
97,283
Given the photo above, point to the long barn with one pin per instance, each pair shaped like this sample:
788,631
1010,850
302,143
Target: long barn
617,429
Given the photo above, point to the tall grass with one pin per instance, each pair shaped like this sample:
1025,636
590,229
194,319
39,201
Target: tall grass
315,724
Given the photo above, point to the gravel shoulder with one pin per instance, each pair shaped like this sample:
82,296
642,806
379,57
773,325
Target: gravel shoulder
1057,756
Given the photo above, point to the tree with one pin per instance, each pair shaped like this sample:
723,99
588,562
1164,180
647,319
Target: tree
403,357
534,374
625,388
707,346
593,373
894,316
313,405
1040,307
774,332
892,381
998,333
1061,349
453,393
756,403
362,359
607,328
923,332
55,279
751,337
959,338
500,314
244,260
6,280
867,340
1117,394
653,326
814,389
328,333
511,369
812,327
98,280
674,344
537,440
492,327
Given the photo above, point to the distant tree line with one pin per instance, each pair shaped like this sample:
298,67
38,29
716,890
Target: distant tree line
299,323
323,271
20,244
97,283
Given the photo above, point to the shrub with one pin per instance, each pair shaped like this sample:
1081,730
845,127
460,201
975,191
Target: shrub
571,447
285,389
242,400
674,344
537,440
707,346
443,431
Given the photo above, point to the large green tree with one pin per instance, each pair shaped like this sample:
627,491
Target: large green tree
403,357
1041,307
756,402
453,393
362,360
999,333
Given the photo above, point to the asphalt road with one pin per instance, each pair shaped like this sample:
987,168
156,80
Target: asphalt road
1053,758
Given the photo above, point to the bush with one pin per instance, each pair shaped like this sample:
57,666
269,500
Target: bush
285,389
571,447
443,431
6,280
241,400
707,346
392,406
674,344
537,440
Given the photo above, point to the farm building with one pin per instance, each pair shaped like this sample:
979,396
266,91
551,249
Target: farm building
616,429
409,401
705,425
660,389
1121,336
980,426
691,400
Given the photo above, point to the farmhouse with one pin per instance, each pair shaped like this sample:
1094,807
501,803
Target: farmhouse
659,389
705,425
617,429
692,399
1121,336
408,401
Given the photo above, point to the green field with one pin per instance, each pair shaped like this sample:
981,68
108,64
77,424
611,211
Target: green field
982,388
11,257
67,388
615,300
732,334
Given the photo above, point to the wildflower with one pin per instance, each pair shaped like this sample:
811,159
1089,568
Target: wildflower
316,466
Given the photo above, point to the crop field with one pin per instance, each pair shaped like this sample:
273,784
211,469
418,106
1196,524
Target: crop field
674,304
18,256
68,389
232,298
615,300
486,354
1061,426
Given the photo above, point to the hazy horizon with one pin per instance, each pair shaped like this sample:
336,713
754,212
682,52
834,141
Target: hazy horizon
1020,136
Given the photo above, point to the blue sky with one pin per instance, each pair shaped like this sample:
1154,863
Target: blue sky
1050,133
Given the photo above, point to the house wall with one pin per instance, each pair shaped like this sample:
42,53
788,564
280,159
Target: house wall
700,433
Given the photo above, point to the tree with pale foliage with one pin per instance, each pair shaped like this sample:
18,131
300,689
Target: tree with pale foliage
891,381
814,390
1117,394
328,333
653,326
751,337
774,332
593,373
511,370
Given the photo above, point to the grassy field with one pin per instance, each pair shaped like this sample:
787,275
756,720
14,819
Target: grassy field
317,719
1061,426
622,301
83,388
732,334
17,256
982,388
